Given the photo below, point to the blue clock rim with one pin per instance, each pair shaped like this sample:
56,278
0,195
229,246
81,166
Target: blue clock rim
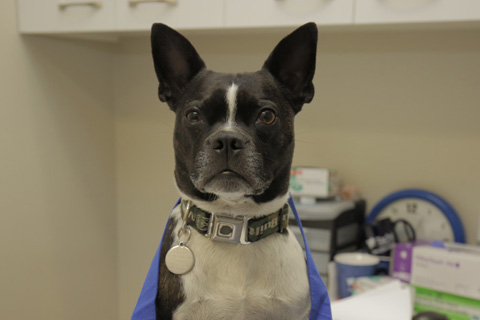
443,205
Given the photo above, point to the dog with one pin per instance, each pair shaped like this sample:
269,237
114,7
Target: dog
227,252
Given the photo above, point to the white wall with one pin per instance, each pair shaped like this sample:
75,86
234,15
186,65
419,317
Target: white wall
58,245
87,162
392,110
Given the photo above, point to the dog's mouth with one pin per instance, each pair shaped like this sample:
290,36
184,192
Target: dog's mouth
230,174
228,181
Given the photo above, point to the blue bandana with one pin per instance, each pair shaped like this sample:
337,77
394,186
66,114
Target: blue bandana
320,310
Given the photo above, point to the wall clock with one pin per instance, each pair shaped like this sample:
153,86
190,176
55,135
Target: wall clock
432,217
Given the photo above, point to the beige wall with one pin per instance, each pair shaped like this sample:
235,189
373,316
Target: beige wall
392,110
87,162
58,245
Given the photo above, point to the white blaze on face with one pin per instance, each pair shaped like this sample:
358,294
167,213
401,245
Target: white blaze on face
231,98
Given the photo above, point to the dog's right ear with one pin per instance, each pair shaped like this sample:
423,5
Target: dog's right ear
176,62
292,64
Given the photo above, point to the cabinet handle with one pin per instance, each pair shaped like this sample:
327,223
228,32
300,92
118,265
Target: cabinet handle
135,2
93,4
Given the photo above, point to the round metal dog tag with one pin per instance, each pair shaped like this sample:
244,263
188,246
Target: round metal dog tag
180,259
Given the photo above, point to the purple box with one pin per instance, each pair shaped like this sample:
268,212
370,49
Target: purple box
401,266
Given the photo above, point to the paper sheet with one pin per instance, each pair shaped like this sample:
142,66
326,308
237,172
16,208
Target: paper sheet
392,301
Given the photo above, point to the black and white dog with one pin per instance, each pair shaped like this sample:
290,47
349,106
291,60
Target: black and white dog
227,252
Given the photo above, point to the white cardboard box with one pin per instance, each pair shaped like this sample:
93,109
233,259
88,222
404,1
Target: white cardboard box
314,182
454,269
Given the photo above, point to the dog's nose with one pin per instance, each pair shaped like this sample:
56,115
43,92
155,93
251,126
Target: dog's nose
227,142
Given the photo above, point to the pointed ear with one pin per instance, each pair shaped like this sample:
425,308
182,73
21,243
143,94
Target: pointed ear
176,62
292,64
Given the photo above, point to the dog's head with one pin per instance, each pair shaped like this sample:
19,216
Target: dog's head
233,135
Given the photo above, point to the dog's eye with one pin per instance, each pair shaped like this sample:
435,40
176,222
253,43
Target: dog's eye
267,116
193,116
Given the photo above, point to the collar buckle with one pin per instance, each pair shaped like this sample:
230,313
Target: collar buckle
227,229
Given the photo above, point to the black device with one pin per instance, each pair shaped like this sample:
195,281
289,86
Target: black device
331,227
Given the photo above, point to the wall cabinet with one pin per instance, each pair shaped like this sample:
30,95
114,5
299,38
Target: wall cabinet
55,16
114,16
415,11
62,16
271,13
138,15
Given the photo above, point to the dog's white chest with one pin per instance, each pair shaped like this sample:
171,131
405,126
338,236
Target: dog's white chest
263,280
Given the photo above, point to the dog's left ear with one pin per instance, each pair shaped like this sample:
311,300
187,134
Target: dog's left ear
292,64
176,62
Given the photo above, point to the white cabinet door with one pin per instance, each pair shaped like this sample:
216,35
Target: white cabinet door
47,16
411,11
271,13
139,15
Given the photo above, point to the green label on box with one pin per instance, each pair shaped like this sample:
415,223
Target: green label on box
450,315
294,184
453,306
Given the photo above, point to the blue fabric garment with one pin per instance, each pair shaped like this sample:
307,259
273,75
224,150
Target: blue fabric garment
318,292
145,308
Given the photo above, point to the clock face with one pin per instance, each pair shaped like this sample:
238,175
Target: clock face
427,220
